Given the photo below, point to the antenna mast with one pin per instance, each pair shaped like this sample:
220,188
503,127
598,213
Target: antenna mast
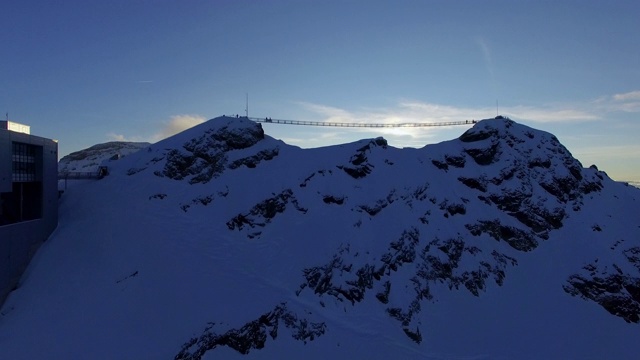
246,109
497,113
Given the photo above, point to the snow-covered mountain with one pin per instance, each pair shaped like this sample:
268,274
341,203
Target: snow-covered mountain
222,242
88,160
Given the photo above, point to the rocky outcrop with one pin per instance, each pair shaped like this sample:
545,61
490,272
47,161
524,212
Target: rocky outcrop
439,261
263,213
253,335
359,165
524,166
378,205
205,157
616,290
254,160
518,239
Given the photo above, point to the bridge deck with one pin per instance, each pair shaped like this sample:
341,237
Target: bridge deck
359,125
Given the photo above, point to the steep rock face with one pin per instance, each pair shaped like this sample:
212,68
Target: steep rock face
207,150
614,286
525,173
517,171
204,157
253,335
359,166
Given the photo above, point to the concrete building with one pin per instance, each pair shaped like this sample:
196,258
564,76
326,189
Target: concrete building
28,199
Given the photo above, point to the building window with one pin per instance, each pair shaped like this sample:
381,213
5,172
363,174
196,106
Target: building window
24,202
24,162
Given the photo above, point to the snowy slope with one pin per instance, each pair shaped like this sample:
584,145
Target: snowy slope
88,160
221,241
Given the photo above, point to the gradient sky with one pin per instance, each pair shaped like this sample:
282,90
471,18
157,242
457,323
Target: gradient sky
91,71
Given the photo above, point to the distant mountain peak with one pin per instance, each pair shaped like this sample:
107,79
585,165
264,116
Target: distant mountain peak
89,159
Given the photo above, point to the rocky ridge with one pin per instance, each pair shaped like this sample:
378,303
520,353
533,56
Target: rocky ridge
394,231
525,181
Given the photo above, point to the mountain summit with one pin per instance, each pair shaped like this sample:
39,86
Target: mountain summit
222,242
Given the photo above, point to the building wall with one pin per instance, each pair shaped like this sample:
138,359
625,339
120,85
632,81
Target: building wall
14,126
19,241
5,160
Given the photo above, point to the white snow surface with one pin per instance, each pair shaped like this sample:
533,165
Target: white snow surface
88,160
142,262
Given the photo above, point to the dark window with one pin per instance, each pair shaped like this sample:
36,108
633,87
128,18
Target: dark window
23,162
24,202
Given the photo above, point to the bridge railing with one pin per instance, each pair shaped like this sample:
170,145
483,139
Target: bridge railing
77,175
80,175
359,125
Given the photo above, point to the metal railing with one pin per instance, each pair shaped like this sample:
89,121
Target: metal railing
359,125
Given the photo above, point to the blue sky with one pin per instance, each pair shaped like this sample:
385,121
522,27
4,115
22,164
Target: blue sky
86,72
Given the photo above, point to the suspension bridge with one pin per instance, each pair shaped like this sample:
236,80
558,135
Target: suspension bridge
268,120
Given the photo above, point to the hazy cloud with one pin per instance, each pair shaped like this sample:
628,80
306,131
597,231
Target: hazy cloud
120,137
550,114
421,112
625,102
486,54
629,96
404,112
329,113
178,123
116,137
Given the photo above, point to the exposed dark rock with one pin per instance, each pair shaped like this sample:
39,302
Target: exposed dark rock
518,239
359,165
132,275
474,135
589,187
452,208
477,184
532,214
455,161
438,262
252,161
133,171
402,251
615,290
380,204
202,200
308,179
375,209
433,268
330,199
202,166
253,335
234,138
204,158
484,156
328,279
262,213
540,163
383,296
320,279
358,172
413,335
440,165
